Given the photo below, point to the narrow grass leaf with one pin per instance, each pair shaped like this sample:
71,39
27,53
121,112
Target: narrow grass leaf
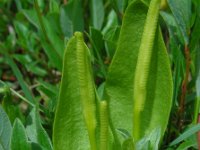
20,79
187,144
191,131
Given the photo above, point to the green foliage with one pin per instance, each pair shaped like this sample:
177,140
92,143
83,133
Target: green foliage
6,130
97,74
19,133
76,91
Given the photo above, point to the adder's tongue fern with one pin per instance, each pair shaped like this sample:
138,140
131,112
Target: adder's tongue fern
143,63
86,88
104,125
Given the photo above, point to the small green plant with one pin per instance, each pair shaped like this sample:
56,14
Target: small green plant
97,75
137,94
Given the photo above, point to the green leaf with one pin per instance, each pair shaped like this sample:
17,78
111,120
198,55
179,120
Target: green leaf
97,39
54,6
119,84
197,104
20,79
111,21
128,144
195,36
186,145
97,12
55,41
5,130
182,13
174,31
150,141
54,59
111,39
19,140
74,11
75,113
31,16
189,132
12,111
66,23
36,132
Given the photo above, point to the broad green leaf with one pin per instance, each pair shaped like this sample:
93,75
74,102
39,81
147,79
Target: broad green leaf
182,13
19,140
36,132
97,12
5,130
119,84
189,132
145,73
75,123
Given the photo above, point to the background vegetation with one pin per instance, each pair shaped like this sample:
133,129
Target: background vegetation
33,35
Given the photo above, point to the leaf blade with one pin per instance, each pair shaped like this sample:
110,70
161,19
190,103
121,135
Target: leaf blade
74,124
5,130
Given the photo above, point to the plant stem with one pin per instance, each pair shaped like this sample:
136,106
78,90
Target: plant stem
184,88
